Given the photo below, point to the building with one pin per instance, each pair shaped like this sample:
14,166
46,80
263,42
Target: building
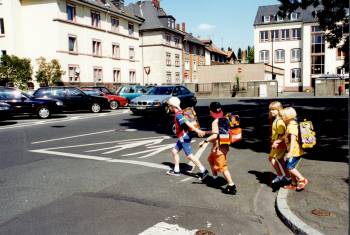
160,43
95,41
193,55
213,54
297,45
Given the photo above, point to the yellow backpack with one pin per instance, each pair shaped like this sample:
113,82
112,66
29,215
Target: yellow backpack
307,134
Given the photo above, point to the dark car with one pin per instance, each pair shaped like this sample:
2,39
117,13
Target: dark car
5,110
73,98
115,101
23,103
155,99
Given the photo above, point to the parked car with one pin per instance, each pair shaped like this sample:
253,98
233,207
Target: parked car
23,103
73,98
156,97
5,110
131,91
114,100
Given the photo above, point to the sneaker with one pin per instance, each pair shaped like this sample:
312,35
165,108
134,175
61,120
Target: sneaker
277,179
172,172
230,189
203,175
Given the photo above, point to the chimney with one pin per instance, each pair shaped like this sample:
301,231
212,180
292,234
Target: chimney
118,3
156,4
178,26
183,29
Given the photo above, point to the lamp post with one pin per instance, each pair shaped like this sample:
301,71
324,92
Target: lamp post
272,38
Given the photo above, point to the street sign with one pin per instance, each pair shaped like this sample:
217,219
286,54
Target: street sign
147,70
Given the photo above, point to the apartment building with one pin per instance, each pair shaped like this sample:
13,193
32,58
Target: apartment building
95,41
295,44
160,43
213,54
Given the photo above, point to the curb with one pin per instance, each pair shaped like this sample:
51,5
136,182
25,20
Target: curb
289,218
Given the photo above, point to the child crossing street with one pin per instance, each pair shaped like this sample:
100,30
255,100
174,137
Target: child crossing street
292,157
218,154
184,139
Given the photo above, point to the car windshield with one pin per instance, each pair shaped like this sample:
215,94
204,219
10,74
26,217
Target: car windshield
160,91
92,92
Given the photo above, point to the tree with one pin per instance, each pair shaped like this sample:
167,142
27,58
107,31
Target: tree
49,73
239,54
15,70
333,19
250,57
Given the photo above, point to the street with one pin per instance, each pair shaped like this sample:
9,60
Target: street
82,173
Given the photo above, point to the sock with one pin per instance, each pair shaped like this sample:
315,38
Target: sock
215,177
177,168
202,169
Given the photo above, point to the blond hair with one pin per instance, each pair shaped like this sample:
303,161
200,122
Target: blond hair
288,113
276,105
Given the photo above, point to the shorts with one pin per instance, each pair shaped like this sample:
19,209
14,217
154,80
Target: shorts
218,162
277,153
185,144
292,162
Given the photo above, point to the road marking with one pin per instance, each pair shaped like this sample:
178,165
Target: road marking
167,229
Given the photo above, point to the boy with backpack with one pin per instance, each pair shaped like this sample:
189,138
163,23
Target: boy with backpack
184,139
218,154
294,150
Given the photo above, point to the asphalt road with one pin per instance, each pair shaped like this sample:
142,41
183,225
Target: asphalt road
84,173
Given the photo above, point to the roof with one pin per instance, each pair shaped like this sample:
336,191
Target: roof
272,10
109,6
209,45
231,54
154,18
189,37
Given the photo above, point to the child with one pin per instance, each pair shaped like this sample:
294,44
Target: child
184,139
278,147
292,157
217,158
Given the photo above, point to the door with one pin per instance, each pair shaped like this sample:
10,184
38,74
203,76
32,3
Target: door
262,90
19,102
75,99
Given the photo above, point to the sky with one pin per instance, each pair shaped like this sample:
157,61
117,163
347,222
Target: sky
229,23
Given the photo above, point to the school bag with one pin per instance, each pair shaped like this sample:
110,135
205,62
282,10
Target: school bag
307,135
191,117
229,130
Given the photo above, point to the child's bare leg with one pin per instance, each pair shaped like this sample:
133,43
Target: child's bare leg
228,177
176,158
276,166
213,171
196,162
283,164
297,174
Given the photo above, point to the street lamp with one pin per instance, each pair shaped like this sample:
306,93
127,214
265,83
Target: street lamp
272,39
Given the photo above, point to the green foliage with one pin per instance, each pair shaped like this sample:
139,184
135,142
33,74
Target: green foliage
49,73
250,56
333,17
239,54
15,70
236,86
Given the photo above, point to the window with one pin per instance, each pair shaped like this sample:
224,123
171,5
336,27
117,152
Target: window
72,43
280,56
187,48
295,55
274,35
95,19
315,29
116,75
70,12
317,44
114,24
177,41
131,29
98,74
167,39
177,60
201,51
131,53
295,75
177,77
264,36
279,18
168,77
187,64
264,56
285,34
194,66
96,48
2,26
340,54
168,59
171,23
115,51
296,34
73,73
294,16
132,76
266,19
317,64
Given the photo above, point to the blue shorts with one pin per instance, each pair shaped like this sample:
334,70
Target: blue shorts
292,162
185,144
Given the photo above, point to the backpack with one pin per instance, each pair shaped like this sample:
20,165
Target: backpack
191,116
229,130
307,135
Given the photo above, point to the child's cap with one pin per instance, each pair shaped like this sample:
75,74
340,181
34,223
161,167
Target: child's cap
174,101
215,108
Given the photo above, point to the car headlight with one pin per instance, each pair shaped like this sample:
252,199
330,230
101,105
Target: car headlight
59,103
4,108
157,103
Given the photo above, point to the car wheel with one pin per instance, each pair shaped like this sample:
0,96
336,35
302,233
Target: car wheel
173,129
114,105
43,112
95,108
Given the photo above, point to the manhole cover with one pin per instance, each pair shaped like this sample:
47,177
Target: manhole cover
321,212
204,232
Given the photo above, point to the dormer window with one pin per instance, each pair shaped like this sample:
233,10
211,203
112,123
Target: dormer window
294,16
266,19
171,23
279,18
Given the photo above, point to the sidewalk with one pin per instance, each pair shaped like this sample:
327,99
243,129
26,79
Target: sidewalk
322,208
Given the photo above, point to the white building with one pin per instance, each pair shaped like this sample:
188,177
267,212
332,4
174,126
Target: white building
160,42
295,44
95,41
